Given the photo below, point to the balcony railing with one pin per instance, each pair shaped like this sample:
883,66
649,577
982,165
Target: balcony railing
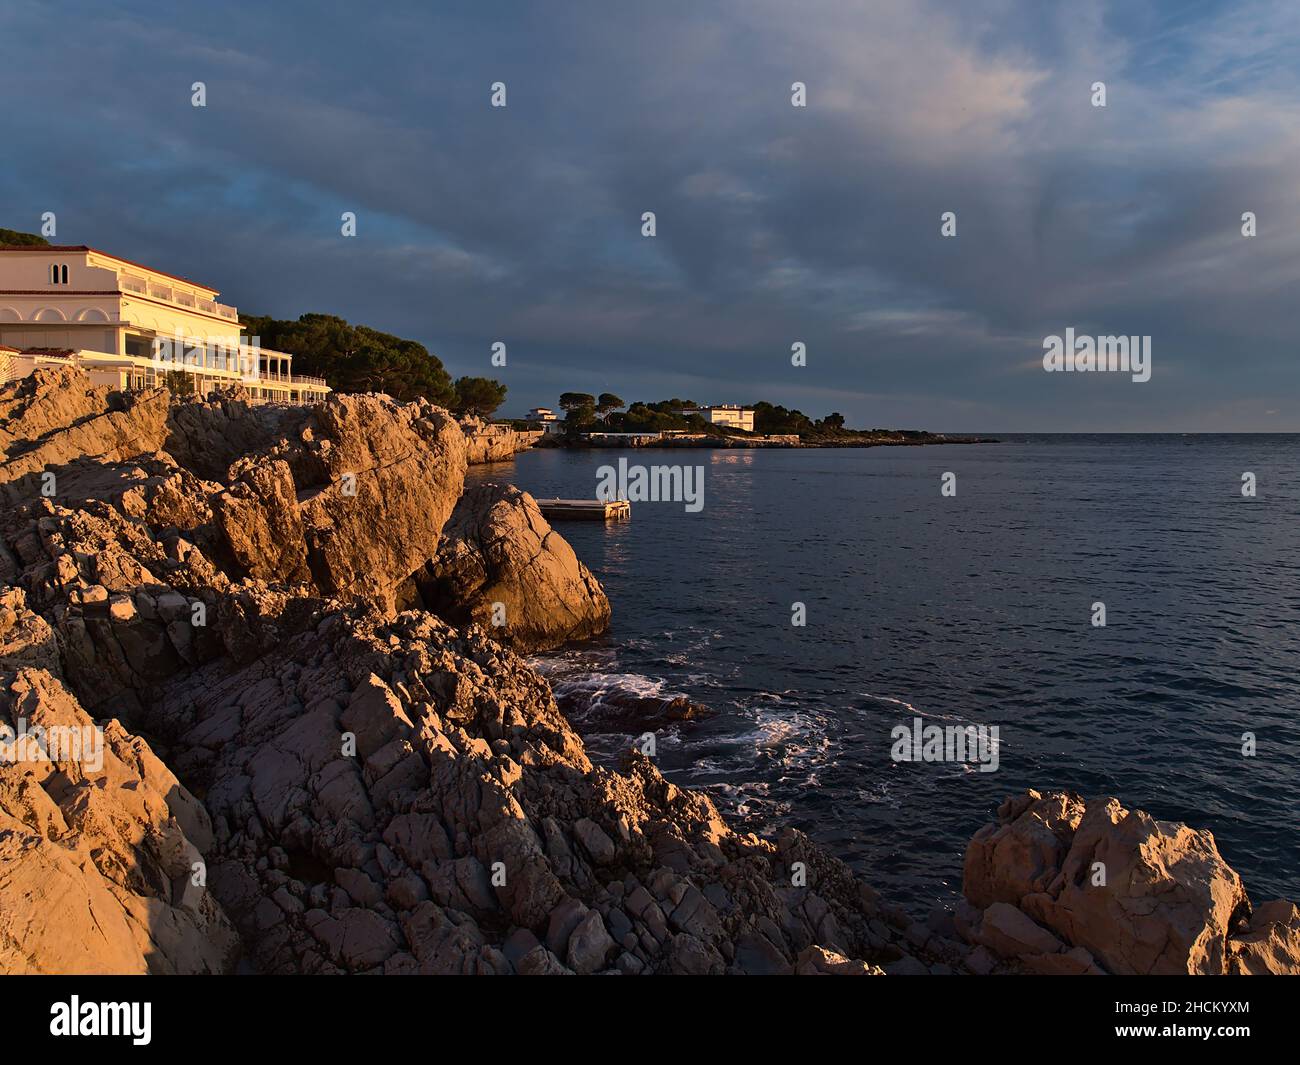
288,380
168,294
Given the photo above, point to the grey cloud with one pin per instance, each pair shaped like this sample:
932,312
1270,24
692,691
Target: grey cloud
775,224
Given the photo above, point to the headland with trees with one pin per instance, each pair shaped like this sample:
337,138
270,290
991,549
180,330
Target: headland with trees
593,420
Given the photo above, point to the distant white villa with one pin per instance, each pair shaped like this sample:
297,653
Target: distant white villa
129,325
551,423
731,415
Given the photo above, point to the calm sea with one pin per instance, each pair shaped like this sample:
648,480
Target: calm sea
974,609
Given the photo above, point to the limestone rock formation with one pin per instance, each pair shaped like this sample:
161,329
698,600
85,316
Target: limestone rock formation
1270,943
1138,895
381,791
54,416
403,466
207,435
340,779
101,864
500,561
485,442
398,796
144,567
48,400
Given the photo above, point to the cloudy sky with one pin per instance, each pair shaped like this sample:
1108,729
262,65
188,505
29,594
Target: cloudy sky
775,224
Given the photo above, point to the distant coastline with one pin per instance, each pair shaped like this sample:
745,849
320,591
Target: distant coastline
607,421
867,438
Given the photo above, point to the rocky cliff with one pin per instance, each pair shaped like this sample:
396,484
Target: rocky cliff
287,645
486,442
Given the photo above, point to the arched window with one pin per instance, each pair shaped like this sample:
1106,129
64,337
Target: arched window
58,273
64,268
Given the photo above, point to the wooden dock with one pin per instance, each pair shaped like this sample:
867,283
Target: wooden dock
585,509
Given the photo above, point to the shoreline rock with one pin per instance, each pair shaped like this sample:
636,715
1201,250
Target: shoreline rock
487,442
502,566
1058,877
305,767
615,708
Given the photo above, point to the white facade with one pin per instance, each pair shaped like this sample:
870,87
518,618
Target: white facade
542,414
134,324
730,415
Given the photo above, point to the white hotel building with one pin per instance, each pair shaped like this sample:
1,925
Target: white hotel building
112,317
730,415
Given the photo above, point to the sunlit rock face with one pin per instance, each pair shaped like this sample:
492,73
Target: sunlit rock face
349,768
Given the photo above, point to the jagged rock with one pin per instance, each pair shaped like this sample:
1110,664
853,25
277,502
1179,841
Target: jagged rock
485,442
208,435
26,639
500,561
44,402
53,417
1143,896
470,819
386,477
907,966
756,955
1023,851
100,848
594,840
687,956
259,519
389,791
566,916
1270,945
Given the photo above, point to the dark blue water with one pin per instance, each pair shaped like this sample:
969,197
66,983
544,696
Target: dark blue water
974,609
